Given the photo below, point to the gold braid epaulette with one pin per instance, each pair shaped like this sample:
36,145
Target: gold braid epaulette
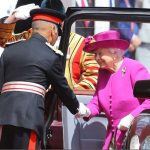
21,36
6,32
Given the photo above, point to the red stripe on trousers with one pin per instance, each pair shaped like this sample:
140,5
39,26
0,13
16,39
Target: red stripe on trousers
32,141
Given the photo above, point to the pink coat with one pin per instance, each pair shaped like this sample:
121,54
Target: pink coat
114,96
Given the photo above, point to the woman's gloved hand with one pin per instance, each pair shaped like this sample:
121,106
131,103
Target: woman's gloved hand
125,122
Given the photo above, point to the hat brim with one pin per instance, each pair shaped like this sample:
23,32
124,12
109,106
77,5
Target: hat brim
121,44
47,11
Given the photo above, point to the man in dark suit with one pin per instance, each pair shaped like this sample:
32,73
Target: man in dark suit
27,69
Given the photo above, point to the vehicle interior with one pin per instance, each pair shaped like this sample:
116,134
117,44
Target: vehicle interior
68,132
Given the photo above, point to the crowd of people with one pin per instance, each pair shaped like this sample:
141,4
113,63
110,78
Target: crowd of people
30,64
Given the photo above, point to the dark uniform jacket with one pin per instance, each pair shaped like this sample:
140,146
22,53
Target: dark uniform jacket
31,61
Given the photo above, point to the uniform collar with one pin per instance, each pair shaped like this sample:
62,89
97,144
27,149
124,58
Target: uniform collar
40,37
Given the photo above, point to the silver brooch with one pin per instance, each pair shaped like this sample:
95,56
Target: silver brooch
123,71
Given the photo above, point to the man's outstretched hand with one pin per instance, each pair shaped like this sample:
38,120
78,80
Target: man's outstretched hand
83,111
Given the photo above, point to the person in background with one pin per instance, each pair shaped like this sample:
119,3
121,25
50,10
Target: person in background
53,4
132,26
81,68
85,27
8,7
116,80
7,25
37,65
143,51
20,17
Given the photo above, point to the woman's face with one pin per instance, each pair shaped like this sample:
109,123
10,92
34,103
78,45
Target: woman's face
104,58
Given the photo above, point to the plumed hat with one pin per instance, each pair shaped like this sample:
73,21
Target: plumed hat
53,4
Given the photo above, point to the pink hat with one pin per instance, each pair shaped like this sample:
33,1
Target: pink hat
107,39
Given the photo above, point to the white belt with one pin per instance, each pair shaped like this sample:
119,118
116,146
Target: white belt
24,86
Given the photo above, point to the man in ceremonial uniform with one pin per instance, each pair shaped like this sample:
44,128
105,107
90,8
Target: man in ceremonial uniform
27,68
81,68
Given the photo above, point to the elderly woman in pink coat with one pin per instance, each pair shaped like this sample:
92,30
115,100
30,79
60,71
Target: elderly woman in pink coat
114,93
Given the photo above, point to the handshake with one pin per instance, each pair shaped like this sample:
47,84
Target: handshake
83,111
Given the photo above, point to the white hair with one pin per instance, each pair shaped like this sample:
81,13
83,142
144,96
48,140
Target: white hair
119,52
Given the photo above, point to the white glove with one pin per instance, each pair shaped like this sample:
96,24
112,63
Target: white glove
83,111
125,122
23,12
1,50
